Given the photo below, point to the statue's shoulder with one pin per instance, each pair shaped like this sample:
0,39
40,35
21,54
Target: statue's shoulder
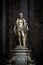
24,20
17,20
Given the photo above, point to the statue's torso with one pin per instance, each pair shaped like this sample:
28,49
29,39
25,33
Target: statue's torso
20,24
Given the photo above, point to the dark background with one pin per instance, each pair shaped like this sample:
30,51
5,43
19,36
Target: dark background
33,13
0,26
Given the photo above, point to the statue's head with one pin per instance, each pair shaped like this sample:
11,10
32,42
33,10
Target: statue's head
21,15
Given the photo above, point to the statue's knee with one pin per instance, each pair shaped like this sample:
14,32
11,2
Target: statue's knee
24,36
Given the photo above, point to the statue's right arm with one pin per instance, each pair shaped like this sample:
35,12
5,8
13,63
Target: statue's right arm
15,29
17,22
15,26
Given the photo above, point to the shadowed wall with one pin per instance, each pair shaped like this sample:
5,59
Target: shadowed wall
34,16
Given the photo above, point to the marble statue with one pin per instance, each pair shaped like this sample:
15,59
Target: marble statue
20,29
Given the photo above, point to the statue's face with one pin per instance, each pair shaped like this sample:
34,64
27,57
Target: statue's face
21,15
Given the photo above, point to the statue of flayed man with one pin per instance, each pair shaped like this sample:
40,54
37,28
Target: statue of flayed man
21,28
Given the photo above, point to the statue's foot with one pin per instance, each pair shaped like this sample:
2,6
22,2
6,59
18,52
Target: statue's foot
19,45
24,45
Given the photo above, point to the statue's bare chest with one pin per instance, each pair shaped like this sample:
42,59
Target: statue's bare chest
20,23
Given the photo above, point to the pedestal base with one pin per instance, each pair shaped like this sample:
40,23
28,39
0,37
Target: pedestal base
21,56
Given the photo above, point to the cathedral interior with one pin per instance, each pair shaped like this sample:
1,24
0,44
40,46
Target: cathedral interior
33,13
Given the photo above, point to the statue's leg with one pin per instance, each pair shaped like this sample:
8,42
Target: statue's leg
19,36
24,38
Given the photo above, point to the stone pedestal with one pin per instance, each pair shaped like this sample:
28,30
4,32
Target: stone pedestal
21,56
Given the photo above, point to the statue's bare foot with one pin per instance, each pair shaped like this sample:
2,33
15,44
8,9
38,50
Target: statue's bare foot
20,45
24,45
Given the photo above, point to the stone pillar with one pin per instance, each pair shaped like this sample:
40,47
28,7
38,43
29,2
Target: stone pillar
32,26
31,20
12,11
34,19
3,27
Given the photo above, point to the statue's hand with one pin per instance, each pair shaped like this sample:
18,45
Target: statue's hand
27,28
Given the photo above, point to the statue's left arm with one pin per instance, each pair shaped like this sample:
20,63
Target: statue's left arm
26,25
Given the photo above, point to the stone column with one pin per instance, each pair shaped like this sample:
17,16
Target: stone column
3,27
